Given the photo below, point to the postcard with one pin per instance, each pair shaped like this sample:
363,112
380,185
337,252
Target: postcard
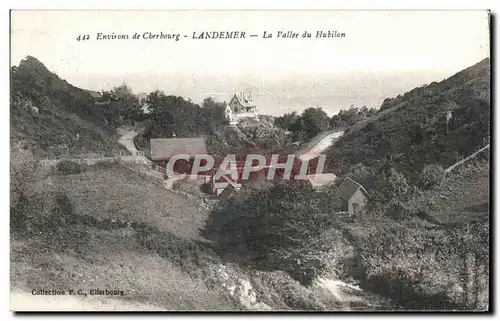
250,160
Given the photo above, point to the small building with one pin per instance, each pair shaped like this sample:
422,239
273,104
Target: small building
142,101
220,185
231,189
241,106
163,149
353,196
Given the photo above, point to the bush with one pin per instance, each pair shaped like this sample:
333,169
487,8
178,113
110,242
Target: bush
106,164
426,269
397,210
398,183
24,171
432,176
63,213
68,167
205,188
18,213
277,227
284,293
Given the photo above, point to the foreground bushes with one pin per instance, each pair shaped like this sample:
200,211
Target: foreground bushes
277,227
432,176
24,171
432,269
68,167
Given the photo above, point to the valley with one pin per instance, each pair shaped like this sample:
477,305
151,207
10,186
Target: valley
85,215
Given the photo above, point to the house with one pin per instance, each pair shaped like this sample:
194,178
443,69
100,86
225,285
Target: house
142,100
229,191
353,196
220,185
163,149
241,106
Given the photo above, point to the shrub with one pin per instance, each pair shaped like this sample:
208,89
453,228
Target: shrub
277,227
282,292
18,213
24,171
398,183
397,210
427,269
206,188
63,213
432,176
68,167
106,164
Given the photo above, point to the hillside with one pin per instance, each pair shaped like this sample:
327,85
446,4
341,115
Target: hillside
463,196
108,228
54,118
411,130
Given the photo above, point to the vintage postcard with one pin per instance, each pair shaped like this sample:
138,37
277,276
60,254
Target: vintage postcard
219,160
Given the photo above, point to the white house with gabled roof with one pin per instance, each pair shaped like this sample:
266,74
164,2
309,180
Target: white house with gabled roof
241,106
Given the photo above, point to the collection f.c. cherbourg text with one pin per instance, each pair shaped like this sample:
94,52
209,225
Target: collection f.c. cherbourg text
214,35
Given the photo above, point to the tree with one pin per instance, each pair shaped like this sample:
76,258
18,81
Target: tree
432,176
286,120
277,226
173,114
314,120
120,104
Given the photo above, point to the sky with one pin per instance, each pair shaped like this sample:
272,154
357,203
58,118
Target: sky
383,53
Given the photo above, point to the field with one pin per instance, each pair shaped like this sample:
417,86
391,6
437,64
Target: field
155,259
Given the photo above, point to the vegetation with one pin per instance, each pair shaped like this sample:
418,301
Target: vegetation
174,115
120,106
423,240
310,123
277,227
66,167
313,121
54,118
432,176
351,116
418,242
416,132
421,267
264,135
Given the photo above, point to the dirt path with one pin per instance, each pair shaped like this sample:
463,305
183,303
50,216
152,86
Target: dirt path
320,146
452,167
127,140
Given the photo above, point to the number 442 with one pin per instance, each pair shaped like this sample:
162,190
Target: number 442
83,37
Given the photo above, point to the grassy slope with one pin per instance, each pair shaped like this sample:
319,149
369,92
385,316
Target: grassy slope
422,112
463,195
160,260
53,135
170,271
63,112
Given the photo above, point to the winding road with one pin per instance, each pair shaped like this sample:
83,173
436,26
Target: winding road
127,140
320,146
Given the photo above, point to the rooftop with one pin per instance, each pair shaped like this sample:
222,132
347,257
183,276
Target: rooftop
246,102
348,188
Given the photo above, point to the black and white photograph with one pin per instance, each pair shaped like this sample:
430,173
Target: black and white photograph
250,160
